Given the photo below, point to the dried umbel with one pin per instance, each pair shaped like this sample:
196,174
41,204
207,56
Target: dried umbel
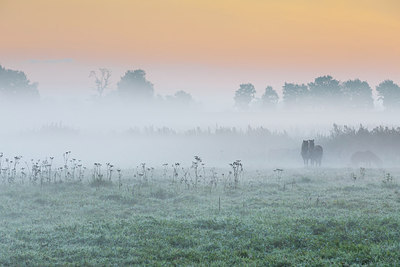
278,173
237,168
195,165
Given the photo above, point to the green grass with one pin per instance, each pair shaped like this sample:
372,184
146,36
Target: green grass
323,218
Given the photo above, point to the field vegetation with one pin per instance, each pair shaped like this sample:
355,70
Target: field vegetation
198,215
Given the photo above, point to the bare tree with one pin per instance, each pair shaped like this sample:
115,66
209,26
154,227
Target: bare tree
101,78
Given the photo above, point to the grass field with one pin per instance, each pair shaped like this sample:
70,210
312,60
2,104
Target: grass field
299,217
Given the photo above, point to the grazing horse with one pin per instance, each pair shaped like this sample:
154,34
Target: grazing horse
305,153
365,159
311,152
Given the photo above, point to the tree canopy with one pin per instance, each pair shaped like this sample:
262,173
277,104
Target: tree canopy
325,91
15,84
389,93
295,93
135,85
358,94
269,98
244,95
183,97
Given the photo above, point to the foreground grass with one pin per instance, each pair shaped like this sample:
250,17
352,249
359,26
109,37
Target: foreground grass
305,217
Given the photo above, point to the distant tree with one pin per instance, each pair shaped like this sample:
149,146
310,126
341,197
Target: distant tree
135,85
358,93
325,91
101,79
15,84
180,98
269,98
244,95
295,94
389,93
183,97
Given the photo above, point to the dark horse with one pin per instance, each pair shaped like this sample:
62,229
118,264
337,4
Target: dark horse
305,153
311,152
316,153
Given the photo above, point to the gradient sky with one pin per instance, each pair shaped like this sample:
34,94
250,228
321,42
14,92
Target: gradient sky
203,46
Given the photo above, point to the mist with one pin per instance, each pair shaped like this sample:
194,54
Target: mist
167,129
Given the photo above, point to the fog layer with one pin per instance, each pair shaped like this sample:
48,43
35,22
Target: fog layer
129,134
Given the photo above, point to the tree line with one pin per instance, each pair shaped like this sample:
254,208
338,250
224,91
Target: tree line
133,86
323,92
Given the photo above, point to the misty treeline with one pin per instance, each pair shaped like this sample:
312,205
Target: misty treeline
323,92
133,87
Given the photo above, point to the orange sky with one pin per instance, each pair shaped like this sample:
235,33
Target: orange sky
311,35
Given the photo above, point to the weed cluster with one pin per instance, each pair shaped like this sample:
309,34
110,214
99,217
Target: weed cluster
72,170
387,179
361,174
198,175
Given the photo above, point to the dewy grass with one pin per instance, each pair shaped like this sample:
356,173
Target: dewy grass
60,216
306,217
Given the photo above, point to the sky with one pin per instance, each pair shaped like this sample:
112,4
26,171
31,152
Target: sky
206,48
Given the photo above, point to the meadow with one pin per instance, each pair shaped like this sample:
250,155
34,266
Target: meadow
202,216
